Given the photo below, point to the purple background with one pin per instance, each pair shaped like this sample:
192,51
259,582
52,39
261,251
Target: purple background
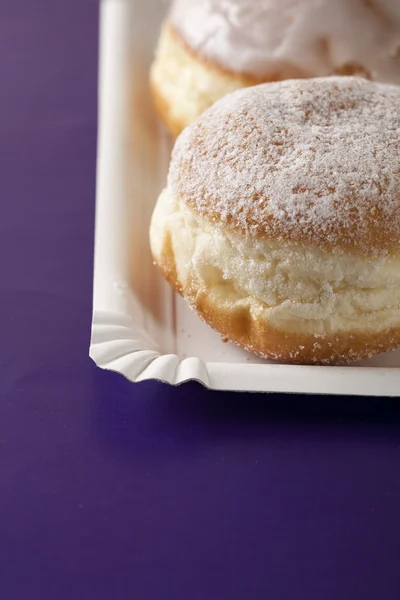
146,492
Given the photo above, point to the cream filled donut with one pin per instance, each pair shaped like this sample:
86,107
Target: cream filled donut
209,48
280,222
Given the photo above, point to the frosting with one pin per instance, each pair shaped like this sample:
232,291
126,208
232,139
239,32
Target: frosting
279,39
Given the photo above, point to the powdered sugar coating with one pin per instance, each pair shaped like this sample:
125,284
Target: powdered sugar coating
294,38
311,161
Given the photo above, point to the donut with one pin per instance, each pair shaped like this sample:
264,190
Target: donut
280,221
209,48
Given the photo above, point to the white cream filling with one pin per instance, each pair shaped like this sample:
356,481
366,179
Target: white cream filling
294,287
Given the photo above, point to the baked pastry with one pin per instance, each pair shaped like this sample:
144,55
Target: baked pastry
280,222
209,48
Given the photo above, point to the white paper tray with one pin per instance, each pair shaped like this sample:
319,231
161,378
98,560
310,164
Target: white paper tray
140,327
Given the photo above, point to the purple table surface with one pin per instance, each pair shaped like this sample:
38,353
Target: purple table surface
110,490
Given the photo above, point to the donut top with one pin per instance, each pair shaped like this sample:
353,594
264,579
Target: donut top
281,39
311,161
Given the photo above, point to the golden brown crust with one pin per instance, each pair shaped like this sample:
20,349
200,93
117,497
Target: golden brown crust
237,325
380,237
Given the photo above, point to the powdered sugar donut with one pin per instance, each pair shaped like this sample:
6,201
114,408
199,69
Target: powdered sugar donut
209,48
280,222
